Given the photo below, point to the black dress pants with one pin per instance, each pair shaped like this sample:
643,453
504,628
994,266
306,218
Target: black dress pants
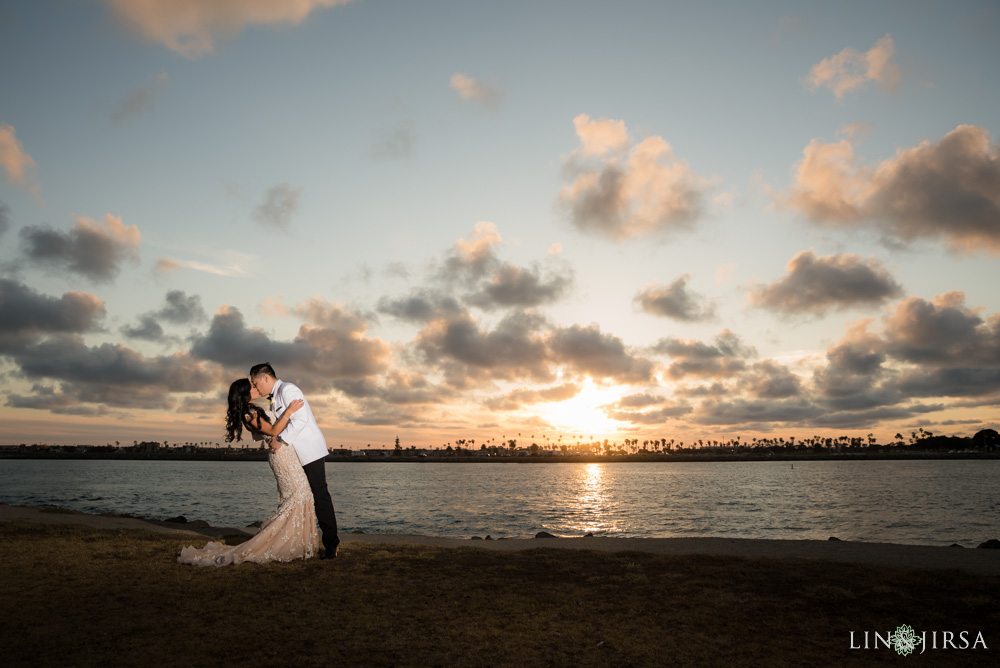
316,474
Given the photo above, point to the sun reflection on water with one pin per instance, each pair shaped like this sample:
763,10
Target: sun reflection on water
594,507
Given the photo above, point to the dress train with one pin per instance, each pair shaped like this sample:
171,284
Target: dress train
291,533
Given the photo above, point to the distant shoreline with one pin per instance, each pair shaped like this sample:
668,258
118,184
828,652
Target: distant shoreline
261,456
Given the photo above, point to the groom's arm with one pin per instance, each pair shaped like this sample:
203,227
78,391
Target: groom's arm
297,420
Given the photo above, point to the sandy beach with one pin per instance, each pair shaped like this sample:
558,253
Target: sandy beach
976,561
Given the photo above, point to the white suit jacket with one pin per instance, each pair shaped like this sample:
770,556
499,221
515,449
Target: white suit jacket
302,431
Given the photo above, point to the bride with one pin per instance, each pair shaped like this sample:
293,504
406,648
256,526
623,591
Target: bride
290,533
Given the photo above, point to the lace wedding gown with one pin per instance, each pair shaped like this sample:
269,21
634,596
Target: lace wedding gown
291,533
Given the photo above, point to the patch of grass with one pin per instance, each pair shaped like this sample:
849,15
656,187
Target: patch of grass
78,596
231,538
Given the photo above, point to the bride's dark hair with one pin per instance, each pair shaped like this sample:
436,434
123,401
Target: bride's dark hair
239,406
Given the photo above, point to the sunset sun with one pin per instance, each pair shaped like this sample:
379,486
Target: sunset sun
584,413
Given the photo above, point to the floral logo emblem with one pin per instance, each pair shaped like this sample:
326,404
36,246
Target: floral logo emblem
904,640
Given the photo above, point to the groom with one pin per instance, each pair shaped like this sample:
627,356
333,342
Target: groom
303,434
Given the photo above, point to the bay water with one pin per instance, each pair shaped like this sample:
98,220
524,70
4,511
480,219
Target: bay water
924,502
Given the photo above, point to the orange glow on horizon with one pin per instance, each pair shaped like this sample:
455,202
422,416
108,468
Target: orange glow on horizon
583,414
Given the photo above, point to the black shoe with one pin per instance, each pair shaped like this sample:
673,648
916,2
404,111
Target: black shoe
331,554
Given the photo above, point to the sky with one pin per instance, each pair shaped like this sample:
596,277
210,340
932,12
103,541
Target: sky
548,221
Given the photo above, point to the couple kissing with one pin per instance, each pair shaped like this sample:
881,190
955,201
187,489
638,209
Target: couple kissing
277,413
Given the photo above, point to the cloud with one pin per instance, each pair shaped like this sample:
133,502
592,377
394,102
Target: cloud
91,249
178,309
227,263
281,202
27,315
620,191
942,331
600,136
756,413
318,355
927,357
166,266
472,275
694,358
396,387
203,407
854,365
950,382
949,189
422,306
18,166
523,344
229,342
189,27
937,348
815,285
472,258
641,400
453,342
512,286
139,100
861,385
148,329
44,397
111,374
518,399
863,419
636,408
396,144
515,348
675,302
714,389
472,263
770,380
658,416
856,131
850,69
587,350
829,185
4,218
471,89
384,417
41,336
343,351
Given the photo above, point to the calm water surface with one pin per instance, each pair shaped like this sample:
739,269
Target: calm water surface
918,502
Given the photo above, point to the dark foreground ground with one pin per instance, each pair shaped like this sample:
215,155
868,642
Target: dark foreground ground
75,595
